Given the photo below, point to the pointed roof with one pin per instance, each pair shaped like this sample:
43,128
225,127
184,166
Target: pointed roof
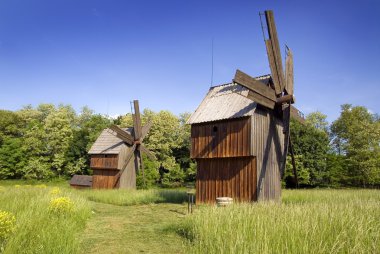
223,102
107,143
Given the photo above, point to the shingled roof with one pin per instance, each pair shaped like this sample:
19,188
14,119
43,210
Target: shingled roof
226,101
108,143
223,102
81,180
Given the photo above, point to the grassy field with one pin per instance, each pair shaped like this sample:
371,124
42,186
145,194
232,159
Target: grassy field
307,221
156,221
47,219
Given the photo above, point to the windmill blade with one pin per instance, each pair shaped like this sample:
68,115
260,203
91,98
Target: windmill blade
147,152
289,76
128,157
274,54
258,91
136,120
123,135
145,129
293,161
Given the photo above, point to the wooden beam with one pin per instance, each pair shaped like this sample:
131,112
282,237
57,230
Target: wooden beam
273,48
147,152
293,161
145,129
123,135
286,129
289,76
296,115
254,85
285,99
259,99
137,120
273,68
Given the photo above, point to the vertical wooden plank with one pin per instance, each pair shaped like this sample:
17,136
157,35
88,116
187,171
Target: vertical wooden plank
228,140
224,138
244,139
241,184
212,176
197,145
245,166
234,138
250,179
225,178
201,138
197,200
203,183
229,177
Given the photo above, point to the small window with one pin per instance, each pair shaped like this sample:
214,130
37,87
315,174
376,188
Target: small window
215,128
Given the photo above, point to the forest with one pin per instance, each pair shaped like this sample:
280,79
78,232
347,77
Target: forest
49,141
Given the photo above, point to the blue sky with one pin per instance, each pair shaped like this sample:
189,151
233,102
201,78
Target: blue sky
106,53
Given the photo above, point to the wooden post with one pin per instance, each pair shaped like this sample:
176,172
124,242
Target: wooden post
293,162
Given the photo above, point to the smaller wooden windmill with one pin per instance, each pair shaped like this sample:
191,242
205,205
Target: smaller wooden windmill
116,155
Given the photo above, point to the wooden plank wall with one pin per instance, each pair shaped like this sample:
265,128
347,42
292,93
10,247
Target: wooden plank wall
226,177
104,161
222,139
103,178
128,178
267,145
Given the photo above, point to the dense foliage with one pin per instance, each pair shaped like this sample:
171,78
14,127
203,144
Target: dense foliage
48,141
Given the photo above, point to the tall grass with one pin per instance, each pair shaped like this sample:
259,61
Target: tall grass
135,197
326,221
38,230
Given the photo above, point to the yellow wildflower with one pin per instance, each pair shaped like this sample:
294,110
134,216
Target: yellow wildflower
7,225
62,205
17,186
55,191
42,186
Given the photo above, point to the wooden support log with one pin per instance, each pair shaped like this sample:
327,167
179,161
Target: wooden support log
289,98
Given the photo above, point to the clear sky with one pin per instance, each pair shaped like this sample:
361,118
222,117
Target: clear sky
106,53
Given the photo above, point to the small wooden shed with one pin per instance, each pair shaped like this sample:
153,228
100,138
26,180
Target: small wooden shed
107,159
238,146
81,181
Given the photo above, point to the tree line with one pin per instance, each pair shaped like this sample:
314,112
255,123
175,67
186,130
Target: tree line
49,141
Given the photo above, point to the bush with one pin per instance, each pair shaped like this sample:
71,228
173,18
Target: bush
7,226
61,206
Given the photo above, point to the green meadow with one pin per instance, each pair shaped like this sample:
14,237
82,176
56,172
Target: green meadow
52,218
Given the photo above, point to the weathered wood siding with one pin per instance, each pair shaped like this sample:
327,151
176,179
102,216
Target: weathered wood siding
128,178
267,145
226,177
104,178
104,161
222,139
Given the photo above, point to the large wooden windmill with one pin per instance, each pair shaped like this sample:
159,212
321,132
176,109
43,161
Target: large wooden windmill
116,155
280,94
240,131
